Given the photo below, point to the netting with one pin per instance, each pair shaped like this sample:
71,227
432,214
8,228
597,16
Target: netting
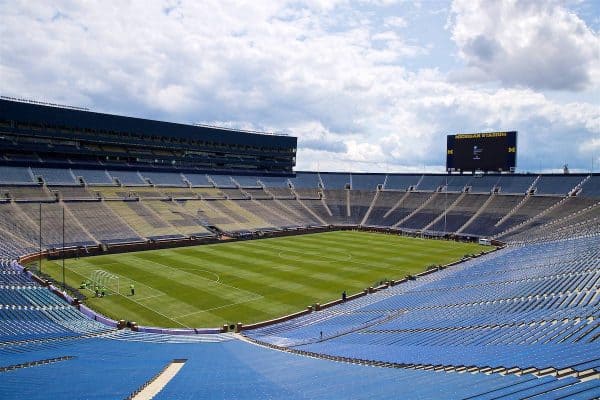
105,280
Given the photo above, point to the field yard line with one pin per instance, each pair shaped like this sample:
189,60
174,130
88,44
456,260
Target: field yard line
393,267
146,307
140,284
335,259
208,280
151,297
157,312
349,258
120,276
186,269
216,308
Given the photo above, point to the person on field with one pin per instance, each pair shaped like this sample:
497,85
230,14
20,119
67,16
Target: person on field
344,295
132,289
97,290
103,291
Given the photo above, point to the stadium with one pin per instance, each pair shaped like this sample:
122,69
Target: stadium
149,259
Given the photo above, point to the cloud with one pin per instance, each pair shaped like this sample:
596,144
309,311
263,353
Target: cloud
540,45
395,22
345,78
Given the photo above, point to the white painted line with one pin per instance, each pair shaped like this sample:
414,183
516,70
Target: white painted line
216,308
137,302
160,381
209,280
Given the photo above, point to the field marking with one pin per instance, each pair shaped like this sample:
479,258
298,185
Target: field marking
219,307
208,280
125,278
364,264
262,247
255,296
186,269
349,258
391,266
153,310
137,302
161,293
151,297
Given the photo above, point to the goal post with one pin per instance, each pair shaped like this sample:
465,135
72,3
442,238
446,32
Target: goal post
105,279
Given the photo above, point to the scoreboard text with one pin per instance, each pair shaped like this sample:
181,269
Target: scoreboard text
485,151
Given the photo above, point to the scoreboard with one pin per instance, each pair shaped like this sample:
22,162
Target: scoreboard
485,151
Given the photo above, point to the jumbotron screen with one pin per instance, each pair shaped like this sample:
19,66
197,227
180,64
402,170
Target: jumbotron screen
486,151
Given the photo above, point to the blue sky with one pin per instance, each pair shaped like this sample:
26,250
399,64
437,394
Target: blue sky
365,85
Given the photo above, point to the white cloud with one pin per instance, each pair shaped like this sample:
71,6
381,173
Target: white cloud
395,22
537,44
328,72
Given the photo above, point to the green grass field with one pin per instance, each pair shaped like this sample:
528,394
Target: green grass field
251,281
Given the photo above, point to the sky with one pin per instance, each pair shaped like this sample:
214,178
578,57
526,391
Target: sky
366,86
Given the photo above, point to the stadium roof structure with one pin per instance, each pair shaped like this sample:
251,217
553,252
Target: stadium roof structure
31,130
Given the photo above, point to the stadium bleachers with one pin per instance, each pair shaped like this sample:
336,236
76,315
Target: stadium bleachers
460,213
483,183
392,207
334,180
473,214
38,346
27,193
306,180
132,178
359,201
222,181
519,322
165,178
458,183
428,211
198,180
562,209
367,181
209,193
18,224
71,192
145,221
246,181
515,184
273,182
15,175
93,176
55,176
591,187
295,207
178,192
401,182
557,184
271,374
98,219
52,223
319,208
180,220
234,194
337,203
257,193
432,182
483,223
539,299
280,193
530,207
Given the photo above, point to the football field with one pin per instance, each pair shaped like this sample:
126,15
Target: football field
251,281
